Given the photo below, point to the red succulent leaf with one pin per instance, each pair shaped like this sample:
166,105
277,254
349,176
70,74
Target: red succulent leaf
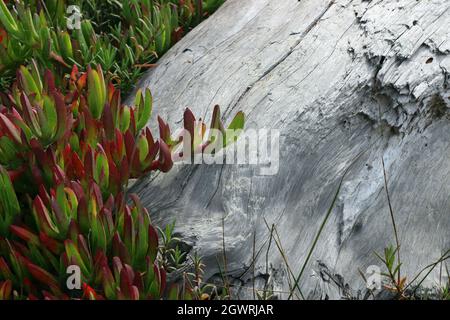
16,174
100,260
114,177
20,248
149,137
189,124
117,267
108,121
15,115
130,145
111,91
163,279
41,155
74,73
10,129
6,99
129,270
152,152
165,158
137,202
43,216
109,203
60,216
96,193
5,290
28,113
158,273
50,243
59,176
84,248
119,249
71,98
109,284
124,172
107,219
152,243
164,130
119,202
73,231
67,154
89,293
5,271
133,121
89,163
49,81
138,281
3,35
78,166
25,234
124,254
136,163
58,59
119,144
43,276
177,34
126,284
77,189
81,83
128,229
91,126
215,120
116,243
61,113
37,175
115,105
134,293
83,215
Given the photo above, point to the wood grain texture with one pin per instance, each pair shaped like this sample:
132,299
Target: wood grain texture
337,78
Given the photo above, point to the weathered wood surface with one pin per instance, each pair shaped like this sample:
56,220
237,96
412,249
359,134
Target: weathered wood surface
337,78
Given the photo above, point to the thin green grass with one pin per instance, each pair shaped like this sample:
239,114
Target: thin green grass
322,226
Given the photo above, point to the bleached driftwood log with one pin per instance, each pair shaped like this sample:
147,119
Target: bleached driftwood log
339,79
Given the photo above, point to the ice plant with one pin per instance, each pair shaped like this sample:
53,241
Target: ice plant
67,150
125,37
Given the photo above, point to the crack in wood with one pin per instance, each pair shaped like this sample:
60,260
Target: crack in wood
310,27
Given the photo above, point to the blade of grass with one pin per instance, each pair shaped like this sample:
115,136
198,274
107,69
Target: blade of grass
225,262
254,267
283,255
322,226
394,224
267,258
431,266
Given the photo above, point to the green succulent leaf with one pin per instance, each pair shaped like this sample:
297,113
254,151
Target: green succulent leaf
9,205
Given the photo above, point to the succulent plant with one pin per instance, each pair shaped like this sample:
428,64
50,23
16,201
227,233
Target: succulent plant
68,147
124,37
67,150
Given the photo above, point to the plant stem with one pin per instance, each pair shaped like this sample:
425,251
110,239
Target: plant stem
394,225
322,226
